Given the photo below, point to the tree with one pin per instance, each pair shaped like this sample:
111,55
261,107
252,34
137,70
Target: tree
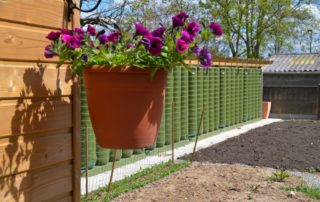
251,25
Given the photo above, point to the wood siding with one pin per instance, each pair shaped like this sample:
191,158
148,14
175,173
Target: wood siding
39,107
292,94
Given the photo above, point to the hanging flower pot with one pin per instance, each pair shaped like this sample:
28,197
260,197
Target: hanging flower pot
125,105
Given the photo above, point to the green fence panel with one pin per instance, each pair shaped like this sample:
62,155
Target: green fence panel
177,103
200,74
192,102
103,155
245,95
118,154
228,96
168,110
223,93
238,96
138,151
216,72
260,93
161,138
211,99
206,100
184,104
126,153
86,127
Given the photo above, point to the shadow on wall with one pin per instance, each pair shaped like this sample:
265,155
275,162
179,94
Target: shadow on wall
31,145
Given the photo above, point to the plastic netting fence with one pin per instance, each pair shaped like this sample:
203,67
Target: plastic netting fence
229,96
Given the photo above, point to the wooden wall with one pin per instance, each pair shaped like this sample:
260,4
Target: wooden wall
39,107
292,94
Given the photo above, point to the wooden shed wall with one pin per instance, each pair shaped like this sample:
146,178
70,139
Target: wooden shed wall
39,107
292,94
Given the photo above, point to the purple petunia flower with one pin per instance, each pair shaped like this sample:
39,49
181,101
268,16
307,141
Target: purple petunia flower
188,38
216,28
179,19
92,31
71,41
67,32
205,58
53,36
103,39
193,28
48,53
196,50
181,46
85,57
129,46
158,32
79,30
154,45
114,37
141,30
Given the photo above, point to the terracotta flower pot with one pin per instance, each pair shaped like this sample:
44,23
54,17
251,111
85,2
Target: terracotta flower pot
125,105
266,108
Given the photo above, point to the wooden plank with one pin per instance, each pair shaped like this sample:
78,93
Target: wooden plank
23,153
22,42
76,122
31,115
20,79
39,185
34,12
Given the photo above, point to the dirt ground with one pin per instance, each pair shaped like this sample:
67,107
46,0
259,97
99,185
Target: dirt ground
217,182
221,175
293,145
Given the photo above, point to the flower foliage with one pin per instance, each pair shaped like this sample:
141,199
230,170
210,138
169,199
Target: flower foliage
165,47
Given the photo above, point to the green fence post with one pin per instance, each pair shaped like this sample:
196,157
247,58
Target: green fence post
168,110
184,104
192,109
177,103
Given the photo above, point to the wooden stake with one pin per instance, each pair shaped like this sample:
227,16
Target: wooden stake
87,156
112,171
172,133
197,135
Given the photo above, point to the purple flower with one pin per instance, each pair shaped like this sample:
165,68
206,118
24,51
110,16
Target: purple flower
92,31
67,32
114,37
141,30
129,46
205,58
196,50
103,39
179,19
193,28
155,45
85,57
71,41
216,28
158,32
53,36
79,30
181,46
187,37
48,53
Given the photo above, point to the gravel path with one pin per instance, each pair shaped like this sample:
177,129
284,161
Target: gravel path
310,179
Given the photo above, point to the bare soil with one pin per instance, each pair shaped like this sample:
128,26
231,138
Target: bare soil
221,175
293,145
217,182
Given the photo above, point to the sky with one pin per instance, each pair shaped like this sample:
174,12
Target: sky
300,46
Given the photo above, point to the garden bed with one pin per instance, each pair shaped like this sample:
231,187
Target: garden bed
293,145
219,182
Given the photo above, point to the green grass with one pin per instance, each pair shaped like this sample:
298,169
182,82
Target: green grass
135,181
312,192
279,176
